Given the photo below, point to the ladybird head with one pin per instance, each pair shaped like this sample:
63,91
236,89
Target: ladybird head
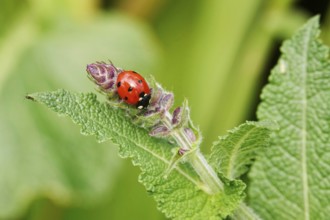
143,100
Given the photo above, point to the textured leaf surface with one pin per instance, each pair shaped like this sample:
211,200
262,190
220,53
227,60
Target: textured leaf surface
233,153
179,195
291,181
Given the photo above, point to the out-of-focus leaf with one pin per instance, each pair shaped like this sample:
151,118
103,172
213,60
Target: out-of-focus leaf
37,158
217,64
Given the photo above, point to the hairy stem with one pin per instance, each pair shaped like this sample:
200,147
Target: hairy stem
207,174
243,212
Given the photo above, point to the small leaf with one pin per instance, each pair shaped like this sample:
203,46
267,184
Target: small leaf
179,195
291,179
233,153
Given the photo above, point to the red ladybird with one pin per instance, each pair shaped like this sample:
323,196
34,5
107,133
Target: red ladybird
133,89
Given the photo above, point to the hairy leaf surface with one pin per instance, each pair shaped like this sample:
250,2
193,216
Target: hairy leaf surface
233,153
179,196
291,180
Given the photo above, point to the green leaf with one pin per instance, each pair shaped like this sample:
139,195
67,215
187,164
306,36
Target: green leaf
179,195
233,153
291,180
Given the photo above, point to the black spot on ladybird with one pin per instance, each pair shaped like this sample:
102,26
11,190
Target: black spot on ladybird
134,72
126,98
130,89
118,84
139,81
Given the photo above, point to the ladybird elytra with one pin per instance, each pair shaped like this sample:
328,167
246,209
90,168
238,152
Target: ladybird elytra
133,89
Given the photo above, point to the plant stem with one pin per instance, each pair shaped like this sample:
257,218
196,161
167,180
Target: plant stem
197,160
205,172
243,212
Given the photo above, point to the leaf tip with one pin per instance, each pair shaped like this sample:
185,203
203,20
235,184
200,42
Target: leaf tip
30,97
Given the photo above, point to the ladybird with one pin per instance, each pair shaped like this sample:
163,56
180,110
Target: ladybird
133,89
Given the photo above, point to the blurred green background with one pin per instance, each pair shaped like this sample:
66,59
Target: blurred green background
217,54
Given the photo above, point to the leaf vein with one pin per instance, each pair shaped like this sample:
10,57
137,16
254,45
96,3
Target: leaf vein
304,123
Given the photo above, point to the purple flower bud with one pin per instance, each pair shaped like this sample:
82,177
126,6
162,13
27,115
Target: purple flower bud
182,151
149,113
157,93
104,75
159,131
167,101
176,118
190,134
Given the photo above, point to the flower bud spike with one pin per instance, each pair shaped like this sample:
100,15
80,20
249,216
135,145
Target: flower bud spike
155,117
103,75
